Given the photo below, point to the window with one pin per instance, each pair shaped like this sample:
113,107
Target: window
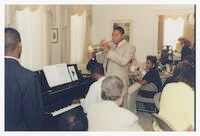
173,29
78,31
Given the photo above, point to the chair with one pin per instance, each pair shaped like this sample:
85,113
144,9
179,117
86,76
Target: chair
157,100
162,123
145,98
132,94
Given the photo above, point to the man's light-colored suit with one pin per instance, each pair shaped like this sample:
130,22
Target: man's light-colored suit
108,116
118,61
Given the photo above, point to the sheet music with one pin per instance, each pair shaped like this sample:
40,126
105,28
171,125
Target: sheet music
72,72
57,74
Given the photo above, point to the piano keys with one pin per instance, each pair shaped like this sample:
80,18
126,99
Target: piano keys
58,100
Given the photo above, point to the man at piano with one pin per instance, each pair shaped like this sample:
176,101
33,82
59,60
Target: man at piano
23,101
94,94
108,115
118,57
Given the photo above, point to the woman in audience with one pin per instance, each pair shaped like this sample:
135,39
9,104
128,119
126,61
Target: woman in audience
108,115
177,99
152,75
186,50
183,72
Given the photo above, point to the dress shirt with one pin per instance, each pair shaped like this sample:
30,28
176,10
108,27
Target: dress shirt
113,48
93,96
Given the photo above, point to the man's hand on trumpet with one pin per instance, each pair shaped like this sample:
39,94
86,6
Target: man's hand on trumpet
104,45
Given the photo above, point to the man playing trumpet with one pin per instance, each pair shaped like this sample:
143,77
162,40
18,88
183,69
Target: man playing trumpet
118,56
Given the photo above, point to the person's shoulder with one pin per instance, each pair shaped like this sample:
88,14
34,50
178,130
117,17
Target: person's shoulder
127,114
26,73
129,46
179,87
154,70
93,109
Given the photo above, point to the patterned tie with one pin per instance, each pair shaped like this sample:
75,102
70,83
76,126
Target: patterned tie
108,59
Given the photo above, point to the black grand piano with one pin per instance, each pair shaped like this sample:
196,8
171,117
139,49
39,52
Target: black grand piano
57,98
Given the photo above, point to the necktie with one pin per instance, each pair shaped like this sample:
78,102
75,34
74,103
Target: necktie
108,59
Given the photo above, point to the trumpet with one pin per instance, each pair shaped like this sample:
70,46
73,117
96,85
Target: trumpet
97,47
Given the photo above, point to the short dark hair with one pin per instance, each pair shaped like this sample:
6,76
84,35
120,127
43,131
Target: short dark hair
98,68
184,72
73,121
119,28
153,59
12,37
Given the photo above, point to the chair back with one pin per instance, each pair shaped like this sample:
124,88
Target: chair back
144,99
162,123
157,100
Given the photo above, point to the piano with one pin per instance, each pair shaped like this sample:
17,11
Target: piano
58,100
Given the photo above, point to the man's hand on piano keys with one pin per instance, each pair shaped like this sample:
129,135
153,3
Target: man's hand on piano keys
75,101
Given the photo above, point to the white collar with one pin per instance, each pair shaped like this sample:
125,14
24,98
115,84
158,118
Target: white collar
10,57
119,43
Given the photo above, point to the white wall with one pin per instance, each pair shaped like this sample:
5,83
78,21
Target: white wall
144,22
56,47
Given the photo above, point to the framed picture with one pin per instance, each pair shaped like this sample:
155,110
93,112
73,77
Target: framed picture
72,72
126,24
54,35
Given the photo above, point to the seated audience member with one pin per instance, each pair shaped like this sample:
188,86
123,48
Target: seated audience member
91,63
177,99
23,98
94,94
183,72
108,115
186,50
177,106
73,120
189,59
152,75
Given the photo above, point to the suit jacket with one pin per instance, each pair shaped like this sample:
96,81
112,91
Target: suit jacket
23,101
108,116
186,51
90,65
119,59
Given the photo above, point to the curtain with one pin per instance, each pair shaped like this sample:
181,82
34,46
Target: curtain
78,31
78,10
160,32
32,27
185,29
11,13
189,28
170,37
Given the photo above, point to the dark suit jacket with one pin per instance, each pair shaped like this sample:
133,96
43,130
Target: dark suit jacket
186,51
91,64
23,101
